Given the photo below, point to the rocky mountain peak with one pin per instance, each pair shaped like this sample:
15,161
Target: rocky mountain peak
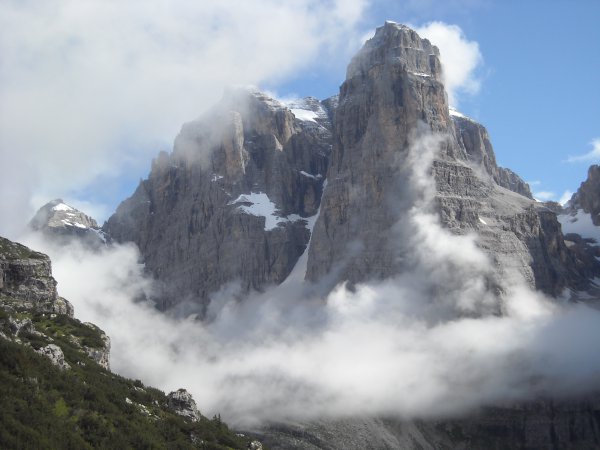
57,214
400,46
62,222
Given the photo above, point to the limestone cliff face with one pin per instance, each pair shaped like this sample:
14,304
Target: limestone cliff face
393,93
26,275
231,203
392,85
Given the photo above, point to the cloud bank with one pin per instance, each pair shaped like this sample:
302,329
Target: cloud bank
91,90
432,342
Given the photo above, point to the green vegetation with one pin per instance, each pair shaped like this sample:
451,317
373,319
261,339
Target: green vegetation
86,406
12,250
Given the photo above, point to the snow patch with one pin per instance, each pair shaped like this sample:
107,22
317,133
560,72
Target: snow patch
455,113
422,74
310,175
260,205
580,223
305,115
73,224
482,221
62,207
216,177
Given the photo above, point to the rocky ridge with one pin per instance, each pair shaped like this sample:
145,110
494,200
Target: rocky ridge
62,223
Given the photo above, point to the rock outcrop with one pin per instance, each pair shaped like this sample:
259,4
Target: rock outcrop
99,354
63,223
233,201
26,275
182,402
55,354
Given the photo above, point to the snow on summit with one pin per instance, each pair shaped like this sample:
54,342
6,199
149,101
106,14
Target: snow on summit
62,207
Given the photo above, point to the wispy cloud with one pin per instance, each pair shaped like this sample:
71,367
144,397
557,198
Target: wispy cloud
591,156
460,58
565,197
544,195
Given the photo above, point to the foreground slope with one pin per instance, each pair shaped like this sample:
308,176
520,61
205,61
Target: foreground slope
55,387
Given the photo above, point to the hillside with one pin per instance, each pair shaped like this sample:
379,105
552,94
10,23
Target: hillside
55,387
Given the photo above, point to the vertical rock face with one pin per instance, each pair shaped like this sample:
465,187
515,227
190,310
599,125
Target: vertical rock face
392,85
27,275
587,196
392,95
231,203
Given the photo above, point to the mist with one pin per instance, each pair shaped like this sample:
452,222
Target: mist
435,341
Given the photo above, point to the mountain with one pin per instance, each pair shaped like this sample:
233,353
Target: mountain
237,198
393,95
56,390
234,201
368,185
61,223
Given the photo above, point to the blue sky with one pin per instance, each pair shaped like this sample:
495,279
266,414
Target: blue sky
93,90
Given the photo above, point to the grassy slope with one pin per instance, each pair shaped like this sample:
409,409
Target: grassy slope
85,407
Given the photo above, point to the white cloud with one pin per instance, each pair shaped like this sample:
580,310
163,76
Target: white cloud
460,58
544,195
565,197
91,89
428,342
592,156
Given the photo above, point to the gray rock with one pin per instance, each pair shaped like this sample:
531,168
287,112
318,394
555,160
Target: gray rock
193,227
55,354
475,141
255,445
63,223
392,94
182,402
26,275
587,196
100,355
